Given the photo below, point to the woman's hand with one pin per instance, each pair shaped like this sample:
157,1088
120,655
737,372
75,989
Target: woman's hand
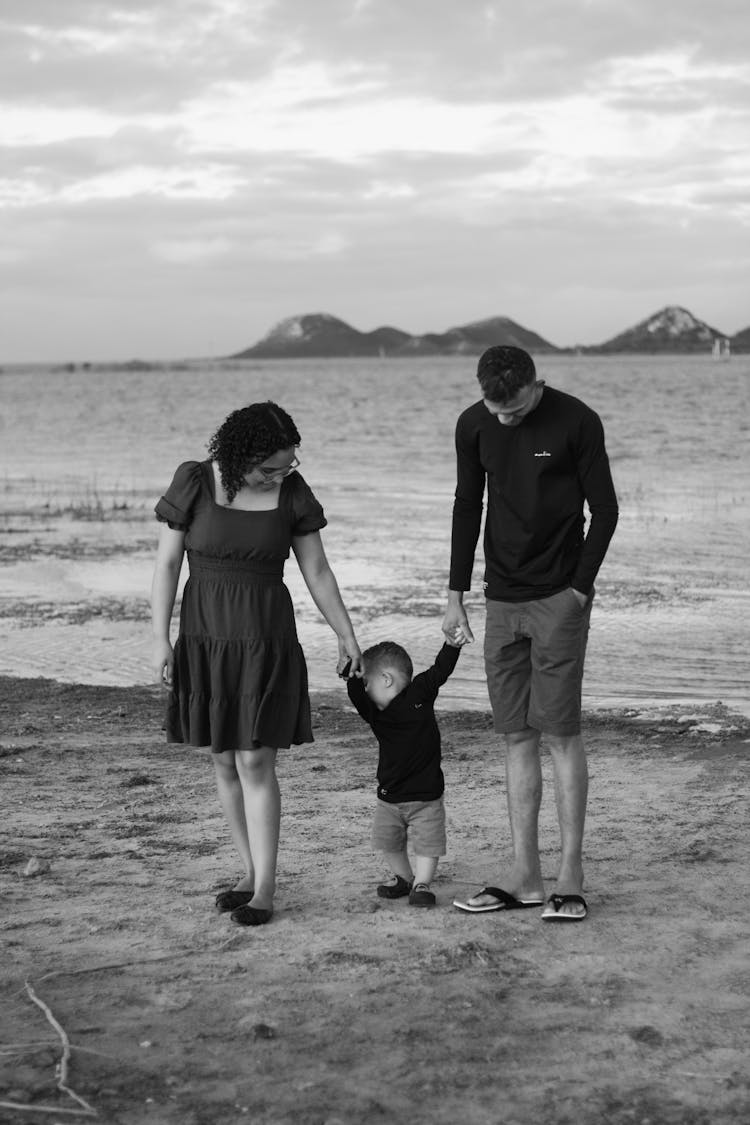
321,582
162,662
349,653
169,558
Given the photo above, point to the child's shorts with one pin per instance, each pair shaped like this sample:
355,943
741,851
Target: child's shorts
422,822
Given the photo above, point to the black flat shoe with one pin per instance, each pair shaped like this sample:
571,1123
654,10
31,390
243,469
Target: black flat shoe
421,895
231,900
251,916
399,888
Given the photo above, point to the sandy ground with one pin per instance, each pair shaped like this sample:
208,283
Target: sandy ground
122,983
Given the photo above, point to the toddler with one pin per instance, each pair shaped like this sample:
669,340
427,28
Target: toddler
400,710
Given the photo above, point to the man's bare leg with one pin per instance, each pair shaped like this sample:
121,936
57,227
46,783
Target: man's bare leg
523,776
571,793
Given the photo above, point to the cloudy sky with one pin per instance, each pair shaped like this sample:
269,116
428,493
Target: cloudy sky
179,175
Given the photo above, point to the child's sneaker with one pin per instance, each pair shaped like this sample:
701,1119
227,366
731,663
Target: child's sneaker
421,895
397,889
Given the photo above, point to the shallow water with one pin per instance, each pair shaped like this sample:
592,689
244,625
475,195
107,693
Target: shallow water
670,615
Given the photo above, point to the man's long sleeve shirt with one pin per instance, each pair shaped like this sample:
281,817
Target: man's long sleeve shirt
537,476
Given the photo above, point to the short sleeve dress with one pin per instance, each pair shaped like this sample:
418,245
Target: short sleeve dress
240,678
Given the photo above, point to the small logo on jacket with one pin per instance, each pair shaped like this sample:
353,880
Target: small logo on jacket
544,453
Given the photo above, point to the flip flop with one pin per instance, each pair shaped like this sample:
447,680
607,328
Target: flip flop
552,909
505,901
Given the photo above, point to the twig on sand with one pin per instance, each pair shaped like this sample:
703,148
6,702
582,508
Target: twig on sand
19,1048
61,1070
15,1049
35,1108
111,966
707,1077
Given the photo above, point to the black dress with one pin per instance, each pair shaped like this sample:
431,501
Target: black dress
240,678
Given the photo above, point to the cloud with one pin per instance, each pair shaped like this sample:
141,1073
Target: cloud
370,155
129,63
190,250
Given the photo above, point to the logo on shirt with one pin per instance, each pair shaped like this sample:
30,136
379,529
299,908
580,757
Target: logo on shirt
544,453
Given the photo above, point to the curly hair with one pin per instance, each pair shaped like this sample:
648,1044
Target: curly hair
247,438
388,654
503,371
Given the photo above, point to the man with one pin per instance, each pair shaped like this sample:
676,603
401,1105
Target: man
541,455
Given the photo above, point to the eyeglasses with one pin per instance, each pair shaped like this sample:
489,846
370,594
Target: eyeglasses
284,471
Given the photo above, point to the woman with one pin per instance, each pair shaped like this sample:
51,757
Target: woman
237,675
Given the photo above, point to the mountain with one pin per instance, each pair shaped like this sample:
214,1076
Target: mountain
672,329
319,335
472,339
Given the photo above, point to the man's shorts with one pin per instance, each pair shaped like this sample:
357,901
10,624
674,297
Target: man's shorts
423,822
533,655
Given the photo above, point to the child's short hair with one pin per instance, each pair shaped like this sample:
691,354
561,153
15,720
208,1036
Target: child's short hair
387,654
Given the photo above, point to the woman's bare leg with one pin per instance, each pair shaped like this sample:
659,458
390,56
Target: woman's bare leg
262,804
232,801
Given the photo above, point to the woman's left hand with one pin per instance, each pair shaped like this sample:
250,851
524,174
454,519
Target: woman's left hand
350,654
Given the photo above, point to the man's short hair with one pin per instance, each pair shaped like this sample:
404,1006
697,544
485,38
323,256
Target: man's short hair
388,654
503,371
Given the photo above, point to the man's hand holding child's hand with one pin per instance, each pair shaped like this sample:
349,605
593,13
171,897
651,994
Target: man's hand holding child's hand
457,638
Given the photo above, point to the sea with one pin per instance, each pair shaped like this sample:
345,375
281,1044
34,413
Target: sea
670,617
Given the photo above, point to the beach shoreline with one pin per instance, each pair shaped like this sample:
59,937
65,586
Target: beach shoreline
346,1007
75,608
